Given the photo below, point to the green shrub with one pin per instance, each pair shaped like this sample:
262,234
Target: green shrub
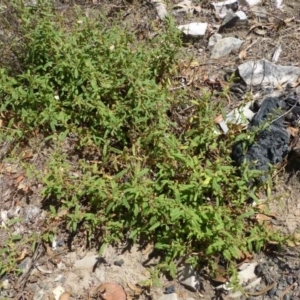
154,178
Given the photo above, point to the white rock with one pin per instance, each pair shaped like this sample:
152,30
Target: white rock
245,275
31,213
279,4
88,262
57,292
225,46
194,29
241,15
247,272
213,39
222,8
172,296
189,277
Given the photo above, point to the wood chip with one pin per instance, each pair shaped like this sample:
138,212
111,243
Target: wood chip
137,291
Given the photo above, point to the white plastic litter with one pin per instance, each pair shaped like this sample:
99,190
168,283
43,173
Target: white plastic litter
266,73
194,29
241,115
276,54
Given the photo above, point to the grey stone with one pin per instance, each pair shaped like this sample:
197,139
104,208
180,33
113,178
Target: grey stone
230,19
31,213
213,39
39,295
172,296
188,277
88,262
225,46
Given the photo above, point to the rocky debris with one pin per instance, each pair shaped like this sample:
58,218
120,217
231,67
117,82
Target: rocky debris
213,40
188,277
119,262
170,289
223,7
225,46
172,296
232,19
265,73
248,280
111,291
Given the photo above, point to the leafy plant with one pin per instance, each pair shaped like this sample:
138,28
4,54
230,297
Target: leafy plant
132,171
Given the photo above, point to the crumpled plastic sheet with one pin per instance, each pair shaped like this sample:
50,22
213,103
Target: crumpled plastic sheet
272,144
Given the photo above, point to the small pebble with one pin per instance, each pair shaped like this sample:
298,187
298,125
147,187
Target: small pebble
258,269
272,291
290,280
119,263
286,297
170,289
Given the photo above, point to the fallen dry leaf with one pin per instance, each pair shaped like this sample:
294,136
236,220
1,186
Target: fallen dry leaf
263,217
19,179
65,296
137,291
61,213
194,64
293,131
10,169
22,255
111,291
288,20
220,275
148,248
243,54
295,240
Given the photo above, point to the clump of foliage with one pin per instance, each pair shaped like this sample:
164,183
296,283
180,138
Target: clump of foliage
139,173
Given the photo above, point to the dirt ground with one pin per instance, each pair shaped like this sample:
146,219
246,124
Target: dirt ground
81,270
